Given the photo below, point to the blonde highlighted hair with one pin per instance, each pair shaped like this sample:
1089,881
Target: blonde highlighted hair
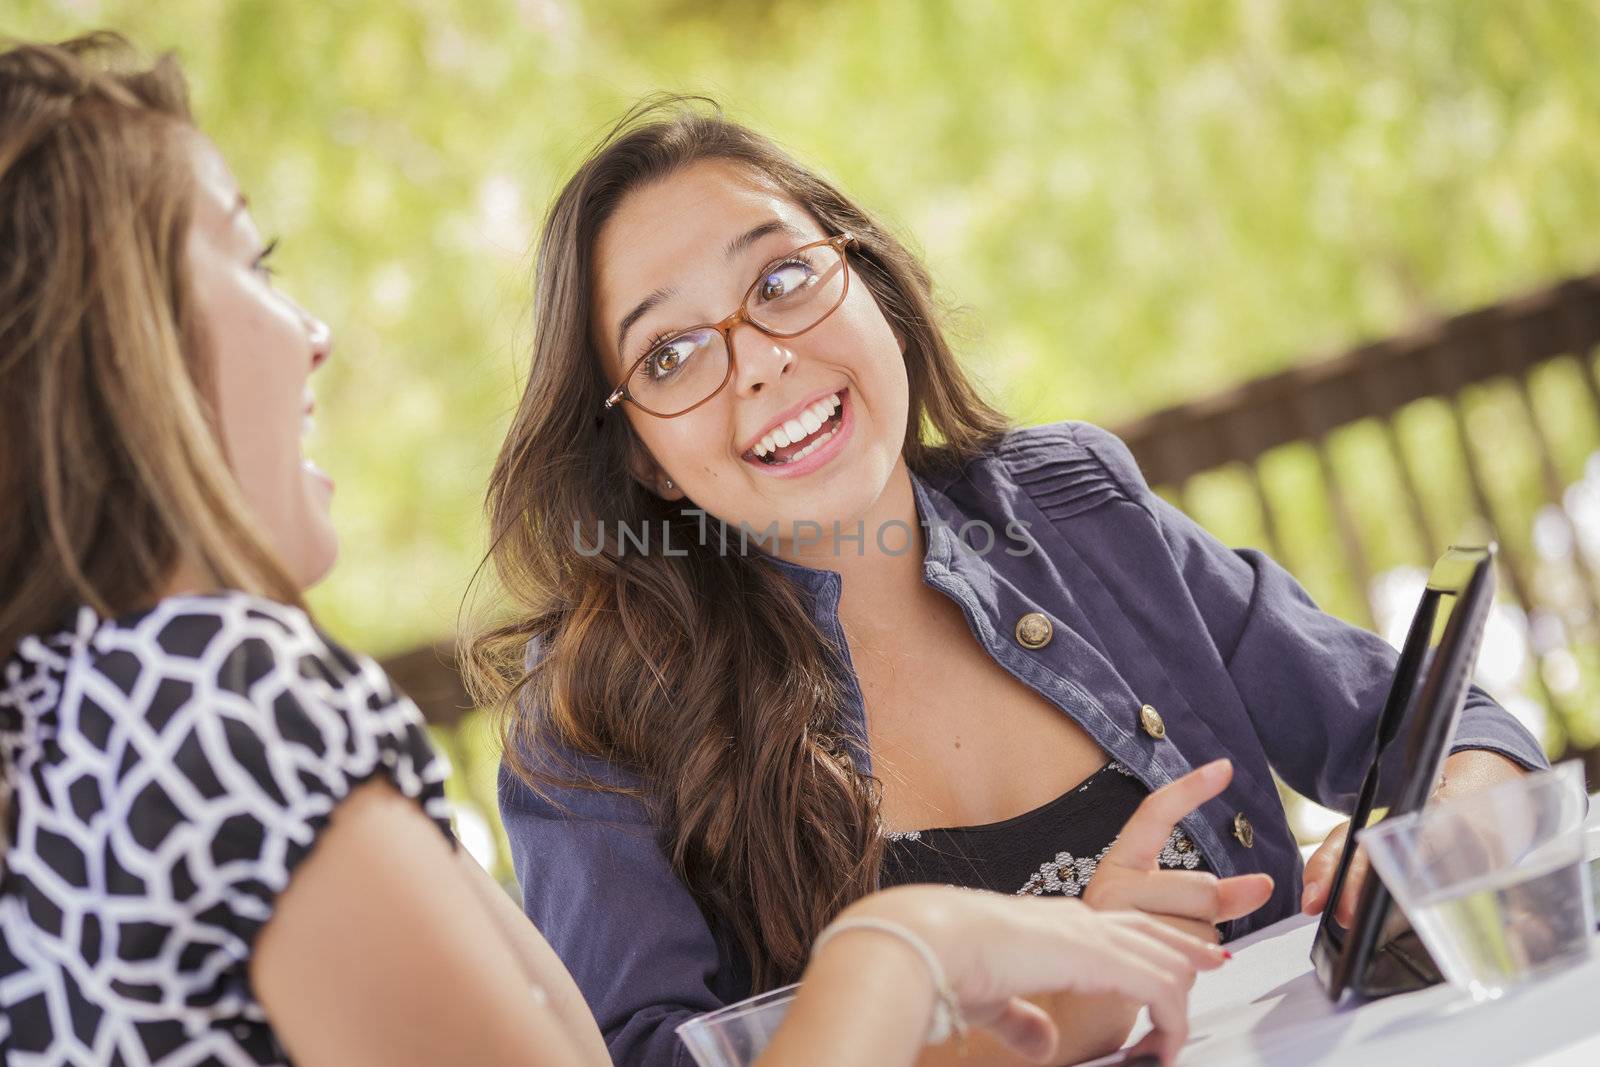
112,472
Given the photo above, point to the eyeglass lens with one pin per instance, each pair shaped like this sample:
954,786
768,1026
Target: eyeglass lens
791,296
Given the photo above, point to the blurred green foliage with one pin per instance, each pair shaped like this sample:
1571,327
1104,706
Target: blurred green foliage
1128,203
1132,203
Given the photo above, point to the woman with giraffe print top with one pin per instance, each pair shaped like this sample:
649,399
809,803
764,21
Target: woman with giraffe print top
225,837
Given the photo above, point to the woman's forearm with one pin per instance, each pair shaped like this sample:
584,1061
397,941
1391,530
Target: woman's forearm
867,999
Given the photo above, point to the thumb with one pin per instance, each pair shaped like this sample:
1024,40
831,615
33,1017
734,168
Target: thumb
1320,869
1242,894
1023,1027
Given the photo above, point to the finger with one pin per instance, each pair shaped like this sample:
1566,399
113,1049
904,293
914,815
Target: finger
1146,833
1167,997
1197,940
1145,947
1125,973
1195,895
1242,894
1163,1046
1198,929
1189,894
1320,869
1023,1027
1144,939
1345,911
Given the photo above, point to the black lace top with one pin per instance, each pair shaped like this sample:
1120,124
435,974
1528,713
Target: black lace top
1051,849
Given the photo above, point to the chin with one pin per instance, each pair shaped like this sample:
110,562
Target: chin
313,571
316,551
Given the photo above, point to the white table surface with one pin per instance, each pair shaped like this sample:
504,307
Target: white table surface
1265,1008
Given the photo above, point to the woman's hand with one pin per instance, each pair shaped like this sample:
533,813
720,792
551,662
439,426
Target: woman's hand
1465,772
997,949
1192,901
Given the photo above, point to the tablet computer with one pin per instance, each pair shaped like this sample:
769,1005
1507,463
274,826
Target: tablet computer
1379,954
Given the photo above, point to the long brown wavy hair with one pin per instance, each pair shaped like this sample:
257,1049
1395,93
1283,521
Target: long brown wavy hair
703,674
111,469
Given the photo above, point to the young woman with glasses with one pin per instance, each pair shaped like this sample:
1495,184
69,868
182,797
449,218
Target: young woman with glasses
795,614
225,836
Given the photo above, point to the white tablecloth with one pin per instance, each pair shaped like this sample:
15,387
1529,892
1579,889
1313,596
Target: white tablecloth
1264,1008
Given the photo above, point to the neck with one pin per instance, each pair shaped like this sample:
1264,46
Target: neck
186,577
884,566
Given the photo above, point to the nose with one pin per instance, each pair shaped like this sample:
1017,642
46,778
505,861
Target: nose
320,338
759,361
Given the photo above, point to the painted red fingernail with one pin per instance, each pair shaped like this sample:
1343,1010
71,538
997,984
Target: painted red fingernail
1227,955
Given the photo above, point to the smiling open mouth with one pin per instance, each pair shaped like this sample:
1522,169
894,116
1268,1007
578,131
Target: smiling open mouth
802,435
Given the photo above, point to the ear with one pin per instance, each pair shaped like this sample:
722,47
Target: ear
644,469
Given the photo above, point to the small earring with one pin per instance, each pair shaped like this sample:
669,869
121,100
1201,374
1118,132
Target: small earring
669,483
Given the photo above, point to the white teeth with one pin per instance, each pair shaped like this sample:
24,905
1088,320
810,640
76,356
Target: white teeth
801,426
306,426
812,447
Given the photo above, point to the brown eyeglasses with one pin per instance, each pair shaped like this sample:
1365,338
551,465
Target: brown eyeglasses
791,295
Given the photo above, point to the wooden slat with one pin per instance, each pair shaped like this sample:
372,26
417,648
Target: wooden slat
1349,535
1421,527
1554,491
1269,516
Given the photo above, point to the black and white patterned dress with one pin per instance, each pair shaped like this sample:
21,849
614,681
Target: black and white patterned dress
167,772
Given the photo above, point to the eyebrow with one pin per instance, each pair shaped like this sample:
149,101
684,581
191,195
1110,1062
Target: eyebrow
756,233
644,307
733,248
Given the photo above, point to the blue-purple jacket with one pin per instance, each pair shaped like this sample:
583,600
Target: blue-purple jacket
1146,608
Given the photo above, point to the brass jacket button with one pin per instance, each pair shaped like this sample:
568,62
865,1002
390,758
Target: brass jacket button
1244,831
1034,630
1150,721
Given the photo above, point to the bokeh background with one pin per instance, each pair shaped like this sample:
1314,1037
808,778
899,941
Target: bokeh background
1126,206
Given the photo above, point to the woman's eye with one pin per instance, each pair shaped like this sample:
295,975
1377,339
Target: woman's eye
669,357
785,279
262,264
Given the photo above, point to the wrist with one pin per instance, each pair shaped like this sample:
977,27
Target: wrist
892,939
862,1000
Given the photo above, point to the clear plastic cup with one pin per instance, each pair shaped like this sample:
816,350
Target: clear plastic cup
1496,883
735,1035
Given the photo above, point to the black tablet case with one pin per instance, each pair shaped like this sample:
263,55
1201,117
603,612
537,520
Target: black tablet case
1379,955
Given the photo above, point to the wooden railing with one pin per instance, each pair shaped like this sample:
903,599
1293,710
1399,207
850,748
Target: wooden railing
1495,352
1500,348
